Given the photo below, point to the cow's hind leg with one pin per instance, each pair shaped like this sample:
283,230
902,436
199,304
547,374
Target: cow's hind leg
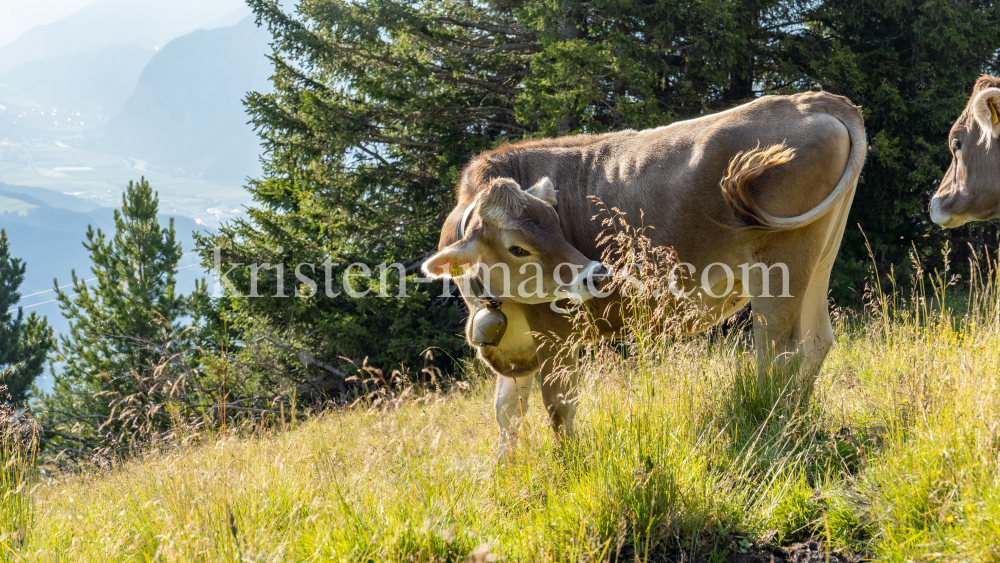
792,341
511,401
814,326
793,334
814,331
777,336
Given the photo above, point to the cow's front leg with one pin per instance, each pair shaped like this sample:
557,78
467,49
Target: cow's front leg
560,375
511,403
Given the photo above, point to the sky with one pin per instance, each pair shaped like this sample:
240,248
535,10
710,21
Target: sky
18,16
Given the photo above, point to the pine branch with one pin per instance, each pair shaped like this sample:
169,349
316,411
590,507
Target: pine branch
493,28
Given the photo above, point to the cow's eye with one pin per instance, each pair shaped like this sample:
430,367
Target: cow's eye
518,251
956,145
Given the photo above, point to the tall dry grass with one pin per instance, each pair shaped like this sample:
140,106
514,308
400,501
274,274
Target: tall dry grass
18,449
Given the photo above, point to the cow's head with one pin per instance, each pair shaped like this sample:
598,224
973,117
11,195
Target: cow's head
512,241
970,190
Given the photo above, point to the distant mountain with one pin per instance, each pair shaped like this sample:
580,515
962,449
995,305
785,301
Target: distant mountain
97,83
139,23
22,16
230,19
186,114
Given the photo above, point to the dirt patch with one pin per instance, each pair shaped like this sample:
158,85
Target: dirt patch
742,551
802,552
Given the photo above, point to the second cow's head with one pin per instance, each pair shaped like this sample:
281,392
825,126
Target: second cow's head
512,240
970,189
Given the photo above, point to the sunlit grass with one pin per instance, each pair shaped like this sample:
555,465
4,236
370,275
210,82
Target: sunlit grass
895,458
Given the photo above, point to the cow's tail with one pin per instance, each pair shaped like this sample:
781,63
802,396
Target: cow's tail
746,166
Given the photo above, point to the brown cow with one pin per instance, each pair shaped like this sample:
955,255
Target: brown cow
793,214
969,190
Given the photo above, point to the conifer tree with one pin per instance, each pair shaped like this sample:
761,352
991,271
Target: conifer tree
24,340
132,301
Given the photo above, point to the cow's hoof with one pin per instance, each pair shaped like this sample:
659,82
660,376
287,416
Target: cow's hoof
505,456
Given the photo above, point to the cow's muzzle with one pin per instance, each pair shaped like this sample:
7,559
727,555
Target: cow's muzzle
591,282
942,217
599,278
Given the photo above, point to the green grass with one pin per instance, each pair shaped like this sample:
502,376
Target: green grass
676,455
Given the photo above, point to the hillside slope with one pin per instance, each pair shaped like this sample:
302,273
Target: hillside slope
677,457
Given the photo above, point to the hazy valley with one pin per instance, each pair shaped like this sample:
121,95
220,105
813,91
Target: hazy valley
90,102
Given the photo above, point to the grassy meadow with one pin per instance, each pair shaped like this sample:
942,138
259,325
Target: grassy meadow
678,456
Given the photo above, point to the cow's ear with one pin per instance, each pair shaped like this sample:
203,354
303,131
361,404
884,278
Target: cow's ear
450,262
544,190
984,107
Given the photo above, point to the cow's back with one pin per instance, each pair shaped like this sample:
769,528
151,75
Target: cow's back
669,176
